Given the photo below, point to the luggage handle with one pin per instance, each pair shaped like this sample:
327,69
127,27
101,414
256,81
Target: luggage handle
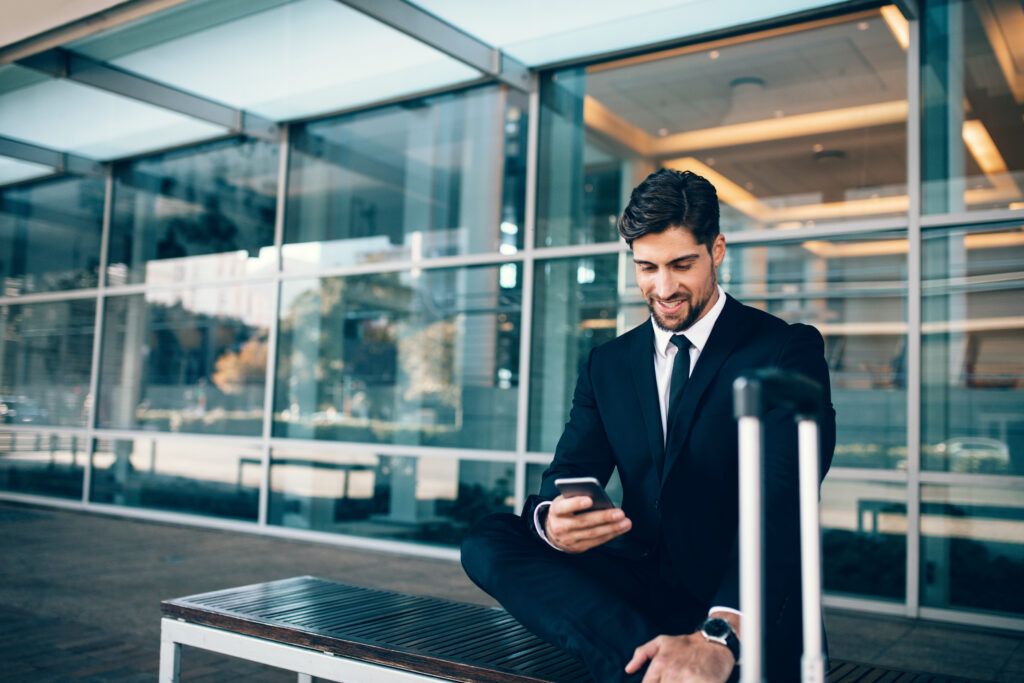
754,394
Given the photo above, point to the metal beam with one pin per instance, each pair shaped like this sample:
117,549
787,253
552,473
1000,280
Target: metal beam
62,162
61,63
442,36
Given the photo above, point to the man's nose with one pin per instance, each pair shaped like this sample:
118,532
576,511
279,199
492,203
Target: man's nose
664,285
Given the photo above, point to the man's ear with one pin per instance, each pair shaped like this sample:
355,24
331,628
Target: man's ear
718,250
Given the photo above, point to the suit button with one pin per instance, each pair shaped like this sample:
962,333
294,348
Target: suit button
657,503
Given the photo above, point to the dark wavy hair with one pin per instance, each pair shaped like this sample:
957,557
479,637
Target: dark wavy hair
667,199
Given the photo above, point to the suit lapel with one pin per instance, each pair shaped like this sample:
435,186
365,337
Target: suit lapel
642,360
724,337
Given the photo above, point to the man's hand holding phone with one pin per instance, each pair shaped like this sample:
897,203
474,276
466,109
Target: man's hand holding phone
582,517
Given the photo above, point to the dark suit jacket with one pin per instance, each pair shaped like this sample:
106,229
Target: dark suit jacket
615,422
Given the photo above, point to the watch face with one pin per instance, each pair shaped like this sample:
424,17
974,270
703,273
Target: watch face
717,628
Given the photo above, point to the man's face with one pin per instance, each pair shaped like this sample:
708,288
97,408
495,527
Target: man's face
677,276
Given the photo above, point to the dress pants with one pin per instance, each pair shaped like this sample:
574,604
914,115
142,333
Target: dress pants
596,605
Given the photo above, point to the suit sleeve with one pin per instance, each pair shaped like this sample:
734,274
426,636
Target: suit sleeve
582,450
803,352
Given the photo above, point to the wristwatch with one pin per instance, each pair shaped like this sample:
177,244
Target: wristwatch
720,631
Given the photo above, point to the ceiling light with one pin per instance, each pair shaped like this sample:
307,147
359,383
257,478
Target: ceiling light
898,24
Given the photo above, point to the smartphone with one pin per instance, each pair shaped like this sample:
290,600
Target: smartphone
570,487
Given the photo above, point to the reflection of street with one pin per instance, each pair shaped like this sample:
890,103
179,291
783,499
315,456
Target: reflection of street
435,478
186,458
873,508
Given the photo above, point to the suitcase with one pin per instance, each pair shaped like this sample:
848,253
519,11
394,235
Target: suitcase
753,395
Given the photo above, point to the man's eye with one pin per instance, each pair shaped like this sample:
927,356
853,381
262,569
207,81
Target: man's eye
683,266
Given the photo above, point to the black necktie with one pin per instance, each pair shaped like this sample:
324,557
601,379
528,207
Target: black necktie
680,373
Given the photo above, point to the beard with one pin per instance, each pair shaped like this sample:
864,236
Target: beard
696,309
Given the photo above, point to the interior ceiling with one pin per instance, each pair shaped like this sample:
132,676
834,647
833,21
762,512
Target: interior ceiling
845,64
808,117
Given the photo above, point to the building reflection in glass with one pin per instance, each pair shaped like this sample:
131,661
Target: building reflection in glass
439,176
864,538
45,361
422,357
207,477
199,214
972,547
43,464
429,499
50,235
186,360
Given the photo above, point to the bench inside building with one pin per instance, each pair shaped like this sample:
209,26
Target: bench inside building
339,632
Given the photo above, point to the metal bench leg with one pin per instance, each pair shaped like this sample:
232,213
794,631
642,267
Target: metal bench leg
305,678
170,660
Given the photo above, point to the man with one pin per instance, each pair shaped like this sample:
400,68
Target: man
629,590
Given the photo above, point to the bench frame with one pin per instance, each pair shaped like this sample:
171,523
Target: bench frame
305,662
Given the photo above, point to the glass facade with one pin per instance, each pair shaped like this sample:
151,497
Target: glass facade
427,498
197,214
50,235
367,323
426,358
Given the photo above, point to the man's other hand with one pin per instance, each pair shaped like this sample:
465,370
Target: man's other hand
688,658
576,533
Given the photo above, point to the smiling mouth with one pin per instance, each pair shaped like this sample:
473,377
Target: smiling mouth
670,307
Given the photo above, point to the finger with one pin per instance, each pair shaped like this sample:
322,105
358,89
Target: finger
646,651
569,506
579,541
604,532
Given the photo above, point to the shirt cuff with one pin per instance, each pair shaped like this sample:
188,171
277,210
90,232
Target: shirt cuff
719,608
539,527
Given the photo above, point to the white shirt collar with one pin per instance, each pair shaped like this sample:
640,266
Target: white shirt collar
697,333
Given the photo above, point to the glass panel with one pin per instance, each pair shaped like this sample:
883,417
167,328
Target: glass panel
282,60
213,478
864,538
853,291
13,171
543,33
972,548
972,127
578,304
191,360
797,126
972,393
71,117
50,235
45,361
422,357
408,182
408,498
42,464
199,214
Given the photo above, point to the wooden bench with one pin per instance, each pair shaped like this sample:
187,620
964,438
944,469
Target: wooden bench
340,632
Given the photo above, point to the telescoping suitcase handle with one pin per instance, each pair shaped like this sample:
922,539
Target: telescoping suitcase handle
755,394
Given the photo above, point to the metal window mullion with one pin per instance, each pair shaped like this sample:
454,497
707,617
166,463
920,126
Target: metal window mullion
972,218
97,337
526,312
450,40
275,301
913,558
